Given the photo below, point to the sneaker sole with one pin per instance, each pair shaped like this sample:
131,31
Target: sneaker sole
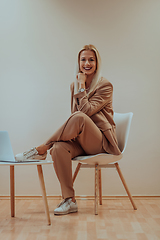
67,212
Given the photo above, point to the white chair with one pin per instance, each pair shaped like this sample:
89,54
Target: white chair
103,160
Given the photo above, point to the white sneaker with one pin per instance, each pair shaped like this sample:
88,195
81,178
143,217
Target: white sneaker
65,207
30,154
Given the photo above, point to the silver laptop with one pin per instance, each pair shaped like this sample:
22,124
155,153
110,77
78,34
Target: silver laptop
6,152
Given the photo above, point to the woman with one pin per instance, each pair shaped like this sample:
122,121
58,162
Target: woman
89,130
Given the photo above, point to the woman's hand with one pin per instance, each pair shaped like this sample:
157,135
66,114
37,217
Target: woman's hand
81,78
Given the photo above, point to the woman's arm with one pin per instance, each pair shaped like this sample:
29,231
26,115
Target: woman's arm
101,97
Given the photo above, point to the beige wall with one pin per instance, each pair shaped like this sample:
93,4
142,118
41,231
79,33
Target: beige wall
39,43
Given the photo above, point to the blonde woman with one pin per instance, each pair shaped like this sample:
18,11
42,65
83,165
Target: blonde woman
89,130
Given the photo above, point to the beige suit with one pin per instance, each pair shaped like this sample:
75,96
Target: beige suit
89,130
98,106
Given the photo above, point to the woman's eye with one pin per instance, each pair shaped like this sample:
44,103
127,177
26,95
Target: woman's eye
90,60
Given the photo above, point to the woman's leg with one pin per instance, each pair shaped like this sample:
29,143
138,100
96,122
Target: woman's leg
42,149
62,154
81,128
79,136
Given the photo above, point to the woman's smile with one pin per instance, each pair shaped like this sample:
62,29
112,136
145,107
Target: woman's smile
87,68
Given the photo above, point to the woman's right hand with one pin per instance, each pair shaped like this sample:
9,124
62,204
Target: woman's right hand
81,78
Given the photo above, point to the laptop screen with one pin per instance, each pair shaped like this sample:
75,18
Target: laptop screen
6,152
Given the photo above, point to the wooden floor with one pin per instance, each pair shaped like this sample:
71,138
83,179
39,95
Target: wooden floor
116,220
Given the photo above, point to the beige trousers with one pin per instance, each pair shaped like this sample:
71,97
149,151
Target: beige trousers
77,136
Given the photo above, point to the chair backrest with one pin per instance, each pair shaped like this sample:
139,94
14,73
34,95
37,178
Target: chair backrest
123,123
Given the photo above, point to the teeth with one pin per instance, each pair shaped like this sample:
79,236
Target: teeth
87,68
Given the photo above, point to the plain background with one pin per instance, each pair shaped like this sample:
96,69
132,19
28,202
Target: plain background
39,42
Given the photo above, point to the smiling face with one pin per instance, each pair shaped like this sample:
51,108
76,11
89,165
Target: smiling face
87,62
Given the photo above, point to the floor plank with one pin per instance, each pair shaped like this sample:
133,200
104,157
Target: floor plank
116,220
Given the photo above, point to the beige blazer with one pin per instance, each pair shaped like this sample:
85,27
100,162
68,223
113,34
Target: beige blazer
98,106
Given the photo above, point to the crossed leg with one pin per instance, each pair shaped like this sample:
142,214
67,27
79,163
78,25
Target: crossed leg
78,136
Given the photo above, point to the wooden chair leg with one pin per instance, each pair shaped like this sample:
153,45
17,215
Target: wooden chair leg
76,171
12,191
96,188
125,185
41,179
100,187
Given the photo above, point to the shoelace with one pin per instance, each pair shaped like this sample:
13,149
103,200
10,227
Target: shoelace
30,153
64,201
61,203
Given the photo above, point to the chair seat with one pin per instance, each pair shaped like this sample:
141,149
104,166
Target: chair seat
101,158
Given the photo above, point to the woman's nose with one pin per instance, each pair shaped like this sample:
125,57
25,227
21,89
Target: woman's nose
87,62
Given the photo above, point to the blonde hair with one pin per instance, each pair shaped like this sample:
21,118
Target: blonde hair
97,74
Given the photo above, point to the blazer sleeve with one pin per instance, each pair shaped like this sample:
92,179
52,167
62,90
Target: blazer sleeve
101,97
